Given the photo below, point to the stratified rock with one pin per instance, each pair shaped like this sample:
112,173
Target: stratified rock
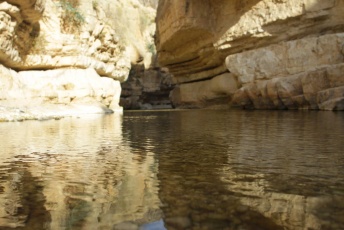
217,90
17,20
77,43
56,93
331,99
278,51
31,10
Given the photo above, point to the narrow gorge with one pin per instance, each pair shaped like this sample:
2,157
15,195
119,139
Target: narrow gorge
172,114
60,57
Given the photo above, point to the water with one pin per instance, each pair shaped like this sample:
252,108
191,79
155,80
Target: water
160,170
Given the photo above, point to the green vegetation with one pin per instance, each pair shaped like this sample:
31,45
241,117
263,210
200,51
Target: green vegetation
151,48
71,18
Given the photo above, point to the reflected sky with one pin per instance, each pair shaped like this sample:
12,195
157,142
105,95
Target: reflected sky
155,170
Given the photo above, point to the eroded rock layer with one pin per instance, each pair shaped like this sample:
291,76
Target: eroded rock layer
282,54
48,45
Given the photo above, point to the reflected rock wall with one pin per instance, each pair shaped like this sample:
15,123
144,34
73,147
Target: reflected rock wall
59,180
246,177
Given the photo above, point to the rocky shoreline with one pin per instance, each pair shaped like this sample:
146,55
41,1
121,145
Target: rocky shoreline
48,112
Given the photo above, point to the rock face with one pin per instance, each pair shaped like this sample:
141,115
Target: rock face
281,54
213,92
57,52
146,89
54,93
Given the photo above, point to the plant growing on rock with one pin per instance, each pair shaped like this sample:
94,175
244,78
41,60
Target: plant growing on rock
71,17
151,48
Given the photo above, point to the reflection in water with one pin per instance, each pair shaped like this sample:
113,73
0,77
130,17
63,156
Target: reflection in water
246,169
74,174
179,169
21,196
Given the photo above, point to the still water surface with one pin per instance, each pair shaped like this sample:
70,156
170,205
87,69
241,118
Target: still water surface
174,170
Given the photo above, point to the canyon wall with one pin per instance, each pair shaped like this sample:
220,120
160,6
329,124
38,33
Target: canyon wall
64,57
146,89
262,54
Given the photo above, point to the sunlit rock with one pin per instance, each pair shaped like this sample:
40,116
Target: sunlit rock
61,92
96,40
258,41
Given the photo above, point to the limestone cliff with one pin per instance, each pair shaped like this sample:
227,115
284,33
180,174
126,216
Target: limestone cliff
58,55
263,54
